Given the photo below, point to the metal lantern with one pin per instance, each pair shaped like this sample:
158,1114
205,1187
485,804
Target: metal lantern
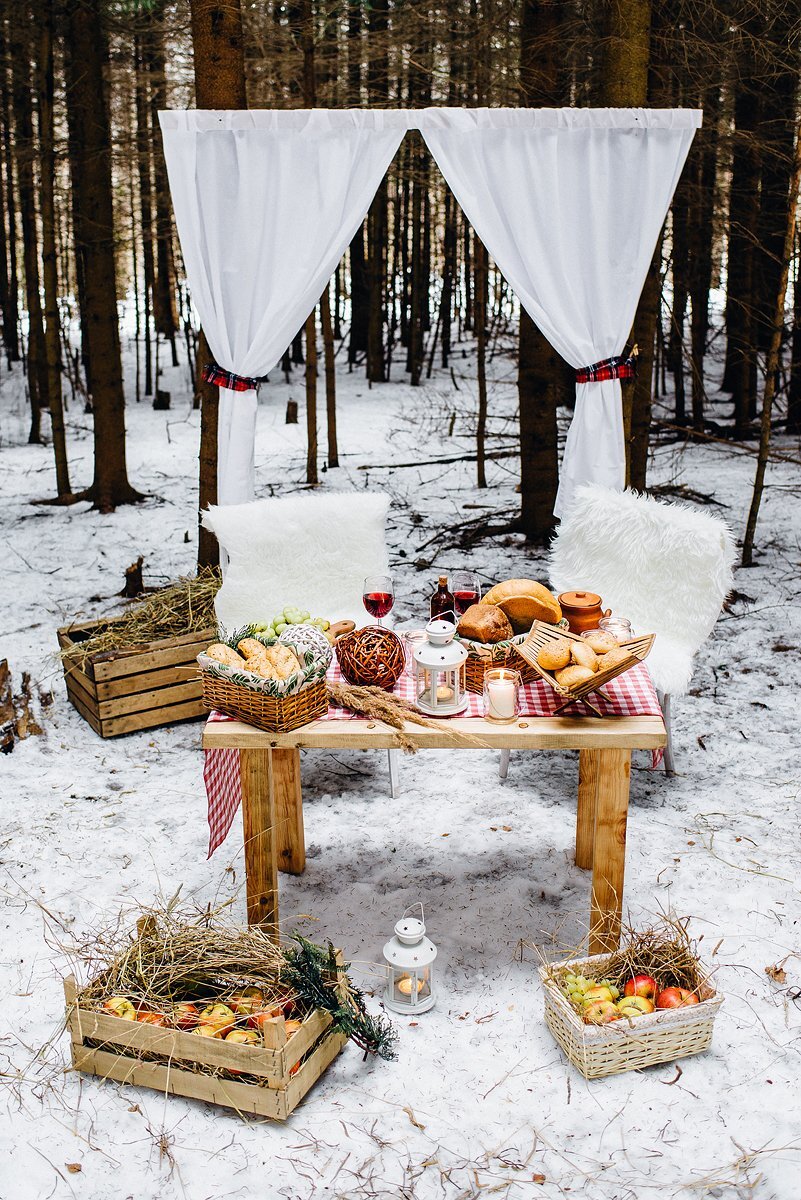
439,680
409,956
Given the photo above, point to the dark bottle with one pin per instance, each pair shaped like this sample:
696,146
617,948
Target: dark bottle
442,605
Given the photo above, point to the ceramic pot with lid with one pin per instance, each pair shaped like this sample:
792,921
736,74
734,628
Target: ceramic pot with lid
582,610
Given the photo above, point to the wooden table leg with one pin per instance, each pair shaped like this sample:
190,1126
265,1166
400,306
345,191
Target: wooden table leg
585,815
290,841
609,856
258,821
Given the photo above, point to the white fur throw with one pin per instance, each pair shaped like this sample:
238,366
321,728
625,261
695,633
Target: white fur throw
311,550
667,567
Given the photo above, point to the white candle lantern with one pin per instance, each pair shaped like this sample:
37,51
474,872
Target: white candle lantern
439,678
501,695
409,957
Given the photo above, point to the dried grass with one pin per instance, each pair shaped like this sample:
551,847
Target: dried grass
186,606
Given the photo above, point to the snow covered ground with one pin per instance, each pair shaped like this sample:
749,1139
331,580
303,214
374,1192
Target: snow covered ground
480,1101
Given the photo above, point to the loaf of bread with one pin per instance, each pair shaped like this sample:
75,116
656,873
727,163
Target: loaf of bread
484,623
224,654
524,601
250,647
584,655
570,677
601,641
615,657
554,655
283,660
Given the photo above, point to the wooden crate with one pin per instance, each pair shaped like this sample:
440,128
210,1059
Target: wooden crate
267,1081
140,687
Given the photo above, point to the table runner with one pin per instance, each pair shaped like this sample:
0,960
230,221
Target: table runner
631,694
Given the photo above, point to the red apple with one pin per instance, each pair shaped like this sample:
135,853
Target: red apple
675,997
599,992
260,1018
641,985
185,1015
247,1001
120,1006
220,1016
292,1027
151,1018
245,1036
635,1006
602,1012
208,1031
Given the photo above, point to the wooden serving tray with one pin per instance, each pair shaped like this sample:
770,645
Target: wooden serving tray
542,633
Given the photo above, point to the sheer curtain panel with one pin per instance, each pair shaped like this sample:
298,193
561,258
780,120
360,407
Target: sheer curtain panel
266,204
569,202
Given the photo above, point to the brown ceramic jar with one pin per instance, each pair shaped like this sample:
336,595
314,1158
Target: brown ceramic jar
582,610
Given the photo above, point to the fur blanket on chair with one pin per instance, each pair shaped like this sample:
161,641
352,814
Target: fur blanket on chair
665,566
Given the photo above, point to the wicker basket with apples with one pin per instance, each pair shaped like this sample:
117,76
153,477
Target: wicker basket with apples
649,1002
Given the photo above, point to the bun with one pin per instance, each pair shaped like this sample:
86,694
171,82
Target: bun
617,656
484,623
584,655
554,655
570,677
250,647
601,641
283,660
224,654
524,601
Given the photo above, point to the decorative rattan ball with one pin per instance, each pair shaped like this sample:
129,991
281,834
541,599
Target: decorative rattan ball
371,657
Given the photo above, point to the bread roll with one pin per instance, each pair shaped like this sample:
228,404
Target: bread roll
484,623
250,646
615,657
584,655
524,601
260,665
283,660
571,677
224,654
601,641
554,655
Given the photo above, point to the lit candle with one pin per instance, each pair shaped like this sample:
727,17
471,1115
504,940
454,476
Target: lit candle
404,985
444,692
501,694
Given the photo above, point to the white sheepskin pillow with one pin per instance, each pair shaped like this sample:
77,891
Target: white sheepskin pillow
665,566
311,550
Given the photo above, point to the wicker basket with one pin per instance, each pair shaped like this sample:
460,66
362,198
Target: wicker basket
482,657
541,634
278,714
658,1037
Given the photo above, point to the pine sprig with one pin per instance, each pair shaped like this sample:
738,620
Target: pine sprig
322,982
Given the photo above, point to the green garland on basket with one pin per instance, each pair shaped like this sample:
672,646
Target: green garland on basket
322,982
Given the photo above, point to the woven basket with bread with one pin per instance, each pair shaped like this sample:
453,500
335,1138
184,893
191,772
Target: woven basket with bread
273,683
493,629
576,666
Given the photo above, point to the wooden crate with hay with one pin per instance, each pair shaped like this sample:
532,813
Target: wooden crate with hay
139,671
151,994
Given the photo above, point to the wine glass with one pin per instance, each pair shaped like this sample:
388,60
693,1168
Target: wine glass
378,595
466,590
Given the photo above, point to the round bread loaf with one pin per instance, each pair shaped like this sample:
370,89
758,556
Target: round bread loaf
584,655
554,655
484,623
224,654
615,657
524,601
601,641
570,677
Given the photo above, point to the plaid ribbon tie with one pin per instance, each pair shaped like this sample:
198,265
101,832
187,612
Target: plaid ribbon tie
212,373
619,367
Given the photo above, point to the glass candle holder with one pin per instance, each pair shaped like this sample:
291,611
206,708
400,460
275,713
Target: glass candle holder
619,627
501,695
412,639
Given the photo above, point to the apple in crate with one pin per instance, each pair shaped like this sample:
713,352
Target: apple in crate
120,1006
208,1031
219,1016
602,1012
185,1015
599,992
635,1006
151,1018
641,985
247,1037
248,1001
676,997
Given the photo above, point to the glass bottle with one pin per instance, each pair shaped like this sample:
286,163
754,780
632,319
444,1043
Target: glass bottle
442,604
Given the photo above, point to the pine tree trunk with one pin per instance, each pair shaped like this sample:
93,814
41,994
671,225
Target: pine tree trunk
794,395
482,265
377,226
312,477
542,374
701,242
144,166
21,56
11,308
330,378
164,314
219,62
49,258
90,137
675,347
359,284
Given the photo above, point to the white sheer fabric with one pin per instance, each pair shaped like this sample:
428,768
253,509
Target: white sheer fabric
569,202
265,204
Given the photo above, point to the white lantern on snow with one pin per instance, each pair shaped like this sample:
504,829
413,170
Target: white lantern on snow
409,957
439,678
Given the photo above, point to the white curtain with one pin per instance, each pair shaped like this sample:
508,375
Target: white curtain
265,204
570,202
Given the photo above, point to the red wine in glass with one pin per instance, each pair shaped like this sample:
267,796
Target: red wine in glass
466,590
378,596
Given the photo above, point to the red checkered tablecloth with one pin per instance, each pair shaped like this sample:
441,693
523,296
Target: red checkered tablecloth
631,694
